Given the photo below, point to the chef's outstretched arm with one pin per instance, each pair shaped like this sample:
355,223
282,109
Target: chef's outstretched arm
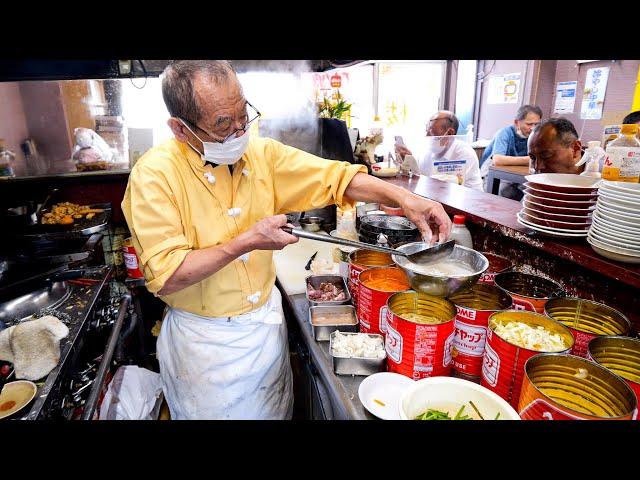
419,210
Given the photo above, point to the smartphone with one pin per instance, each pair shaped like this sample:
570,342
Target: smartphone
399,140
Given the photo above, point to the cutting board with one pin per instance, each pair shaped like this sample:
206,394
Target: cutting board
291,260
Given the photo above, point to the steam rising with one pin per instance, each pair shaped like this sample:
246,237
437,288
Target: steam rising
283,92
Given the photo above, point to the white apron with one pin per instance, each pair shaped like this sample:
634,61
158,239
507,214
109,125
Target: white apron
227,367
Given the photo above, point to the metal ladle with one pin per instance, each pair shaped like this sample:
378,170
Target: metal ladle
424,256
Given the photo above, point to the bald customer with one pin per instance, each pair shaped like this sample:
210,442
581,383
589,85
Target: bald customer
554,147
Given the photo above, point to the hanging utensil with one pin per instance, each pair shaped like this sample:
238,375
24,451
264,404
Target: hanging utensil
424,256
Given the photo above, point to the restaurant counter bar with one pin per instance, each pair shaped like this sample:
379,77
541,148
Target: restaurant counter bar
492,222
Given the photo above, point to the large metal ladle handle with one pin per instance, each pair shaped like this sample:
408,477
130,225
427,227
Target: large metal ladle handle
340,241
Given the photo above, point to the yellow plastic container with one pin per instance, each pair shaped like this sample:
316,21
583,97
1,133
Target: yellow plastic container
622,160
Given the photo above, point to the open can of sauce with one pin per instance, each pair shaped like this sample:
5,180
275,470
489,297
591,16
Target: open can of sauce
513,337
473,309
375,286
131,259
586,320
529,292
360,260
419,335
566,387
621,355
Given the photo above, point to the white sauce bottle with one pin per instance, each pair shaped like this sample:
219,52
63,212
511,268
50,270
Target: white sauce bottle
460,233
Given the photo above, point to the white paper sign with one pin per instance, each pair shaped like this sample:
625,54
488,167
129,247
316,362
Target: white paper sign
565,97
503,88
594,89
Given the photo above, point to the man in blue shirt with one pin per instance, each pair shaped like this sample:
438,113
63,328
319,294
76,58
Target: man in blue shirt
509,146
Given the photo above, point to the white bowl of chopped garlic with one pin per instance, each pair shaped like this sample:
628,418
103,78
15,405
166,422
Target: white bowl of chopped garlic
449,398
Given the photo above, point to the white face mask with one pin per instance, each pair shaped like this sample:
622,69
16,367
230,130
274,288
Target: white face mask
226,153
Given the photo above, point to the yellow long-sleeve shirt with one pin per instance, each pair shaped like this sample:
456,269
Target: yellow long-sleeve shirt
174,204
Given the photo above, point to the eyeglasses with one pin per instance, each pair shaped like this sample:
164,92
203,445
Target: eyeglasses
222,139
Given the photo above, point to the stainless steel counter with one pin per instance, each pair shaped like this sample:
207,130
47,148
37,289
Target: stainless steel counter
340,390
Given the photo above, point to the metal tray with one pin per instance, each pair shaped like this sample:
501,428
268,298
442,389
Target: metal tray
316,280
79,228
356,365
321,333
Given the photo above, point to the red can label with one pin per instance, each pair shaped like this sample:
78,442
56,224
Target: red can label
490,364
582,339
488,277
521,304
468,347
372,309
418,350
354,272
130,260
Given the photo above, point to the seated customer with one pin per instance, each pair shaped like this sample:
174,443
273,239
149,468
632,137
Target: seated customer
633,117
509,147
554,147
447,156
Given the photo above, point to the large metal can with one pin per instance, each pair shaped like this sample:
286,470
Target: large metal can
566,387
375,286
503,361
360,260
473,308
621,355
529,292
586,320
414,347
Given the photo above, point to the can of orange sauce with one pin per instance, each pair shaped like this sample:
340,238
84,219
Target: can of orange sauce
473,308
586,320
131,259
504,358
375,286
621,355
566,387
497,264
360,260
419,335
529,292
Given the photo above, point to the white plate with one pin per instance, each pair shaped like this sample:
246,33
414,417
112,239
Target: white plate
613,215
617,206
621,246
622,199
605,221
610,234
550,233
603,250
555,229
564,180
622,187
585,218
617,230
386,387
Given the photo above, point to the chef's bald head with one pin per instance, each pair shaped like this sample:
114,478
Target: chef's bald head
178,81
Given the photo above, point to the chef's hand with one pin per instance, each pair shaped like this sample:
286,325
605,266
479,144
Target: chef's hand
267,234
402,150
425,214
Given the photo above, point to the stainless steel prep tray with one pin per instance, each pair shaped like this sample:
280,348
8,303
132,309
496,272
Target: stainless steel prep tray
356,365
321,333
316,280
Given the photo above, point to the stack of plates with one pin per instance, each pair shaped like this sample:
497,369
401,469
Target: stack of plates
559,204
615,232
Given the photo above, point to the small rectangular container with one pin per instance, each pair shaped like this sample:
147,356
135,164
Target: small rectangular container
322,332
356,365
316,280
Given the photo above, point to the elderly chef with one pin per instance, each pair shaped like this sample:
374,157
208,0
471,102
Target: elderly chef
205,210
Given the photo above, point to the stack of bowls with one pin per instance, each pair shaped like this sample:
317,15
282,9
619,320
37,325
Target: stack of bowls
615,232
559,204
395,229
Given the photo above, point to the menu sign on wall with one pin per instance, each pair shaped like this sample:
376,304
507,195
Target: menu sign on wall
594,89
565,97
503,88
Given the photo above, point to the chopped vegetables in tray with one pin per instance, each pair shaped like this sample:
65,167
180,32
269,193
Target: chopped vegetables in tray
66,213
